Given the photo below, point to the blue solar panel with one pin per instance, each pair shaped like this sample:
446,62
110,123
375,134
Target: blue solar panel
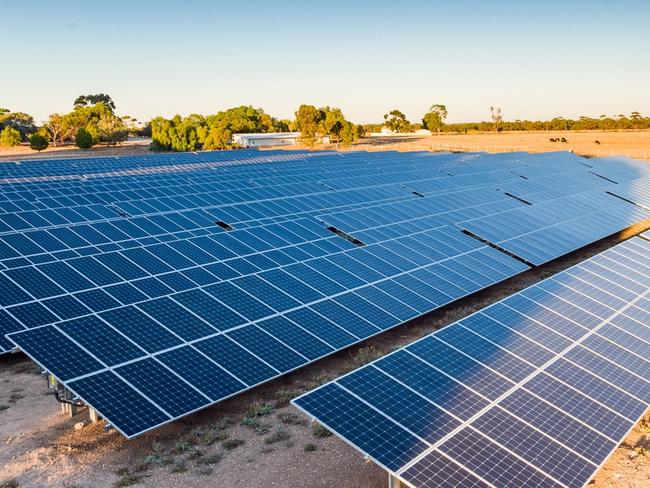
535,390
229,253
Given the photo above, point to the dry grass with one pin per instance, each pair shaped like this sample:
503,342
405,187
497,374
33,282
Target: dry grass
623,143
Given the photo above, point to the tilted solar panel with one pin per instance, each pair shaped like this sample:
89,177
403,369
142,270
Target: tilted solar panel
227,258
535,390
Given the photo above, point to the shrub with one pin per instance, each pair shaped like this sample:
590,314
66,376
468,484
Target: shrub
83,139
310,447
179,465
231,444
320,431
277,436
38,142
10,137
291,418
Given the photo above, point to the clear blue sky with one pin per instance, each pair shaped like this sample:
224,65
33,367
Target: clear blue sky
536,59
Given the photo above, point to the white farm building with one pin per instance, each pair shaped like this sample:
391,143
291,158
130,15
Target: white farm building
266,139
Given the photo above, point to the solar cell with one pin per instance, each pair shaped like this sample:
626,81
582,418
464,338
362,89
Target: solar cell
535,390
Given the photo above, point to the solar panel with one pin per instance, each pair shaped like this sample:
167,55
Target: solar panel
228,256
539,233
535,390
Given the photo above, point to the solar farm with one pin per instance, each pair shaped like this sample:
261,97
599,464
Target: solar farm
149,288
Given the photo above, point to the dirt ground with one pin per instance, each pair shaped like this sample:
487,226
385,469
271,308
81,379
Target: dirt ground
23,152
255,440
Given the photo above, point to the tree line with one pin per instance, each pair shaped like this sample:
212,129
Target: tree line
215,131
434,121
93,120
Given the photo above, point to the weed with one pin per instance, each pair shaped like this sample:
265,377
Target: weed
254,411
210,459
278,436
310,447
283,397
212,436
250,421
179,465
292,418
319,431
195,454
128,479
231,444
267,449
362,357
184,446
9,484
263,429
223,424
205,470
157,447
319,380
258,409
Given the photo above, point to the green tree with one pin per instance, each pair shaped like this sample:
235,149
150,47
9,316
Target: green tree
434,119
38,142
61,128
219,138
87,100
396,121
348,133
22,122
84,139
308,120
10,137
111,129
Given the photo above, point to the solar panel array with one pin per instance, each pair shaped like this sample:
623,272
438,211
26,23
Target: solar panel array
536,390
171,282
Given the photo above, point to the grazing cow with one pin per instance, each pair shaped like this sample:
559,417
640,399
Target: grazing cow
597,142
564,140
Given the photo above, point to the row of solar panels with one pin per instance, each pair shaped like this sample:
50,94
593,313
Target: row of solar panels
98,190
535,390
185,283
80,166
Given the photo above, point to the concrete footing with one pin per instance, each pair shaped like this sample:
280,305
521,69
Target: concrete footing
394,482
69,409
94,416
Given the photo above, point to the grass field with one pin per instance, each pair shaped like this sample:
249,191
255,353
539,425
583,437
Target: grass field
633,144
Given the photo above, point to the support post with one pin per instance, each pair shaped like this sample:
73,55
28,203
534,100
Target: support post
68,409
94,418
393,481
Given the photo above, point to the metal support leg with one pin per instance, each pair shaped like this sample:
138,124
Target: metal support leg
393,481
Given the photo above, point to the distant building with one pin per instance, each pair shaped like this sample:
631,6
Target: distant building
266,139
